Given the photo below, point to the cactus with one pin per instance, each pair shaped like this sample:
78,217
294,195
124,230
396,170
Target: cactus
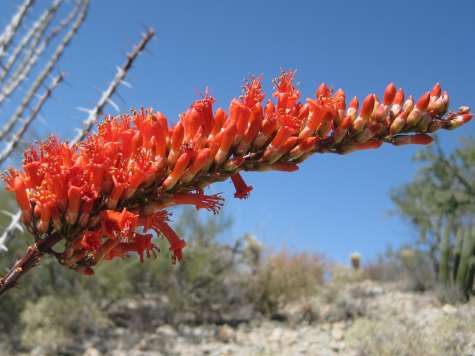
458,269
355,259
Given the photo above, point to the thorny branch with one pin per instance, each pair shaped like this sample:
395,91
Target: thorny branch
34,52
31,37
112,88
32,257
45,73
7,36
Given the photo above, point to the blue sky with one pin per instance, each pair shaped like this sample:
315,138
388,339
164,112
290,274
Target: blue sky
335,204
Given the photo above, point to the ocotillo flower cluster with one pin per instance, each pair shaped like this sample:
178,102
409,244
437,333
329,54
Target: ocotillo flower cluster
104,195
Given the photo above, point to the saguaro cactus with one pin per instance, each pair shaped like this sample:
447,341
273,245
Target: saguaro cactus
103,196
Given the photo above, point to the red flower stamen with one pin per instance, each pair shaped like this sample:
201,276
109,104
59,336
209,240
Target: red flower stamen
212,203
115,222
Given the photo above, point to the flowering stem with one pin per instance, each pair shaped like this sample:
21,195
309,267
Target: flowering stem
32,257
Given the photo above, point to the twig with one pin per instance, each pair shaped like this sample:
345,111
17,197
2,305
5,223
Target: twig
112,88
46,71
32,257
10,30
36,32
11,145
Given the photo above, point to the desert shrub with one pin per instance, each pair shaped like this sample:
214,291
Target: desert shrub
383,271
284,278
410,265
386,267
419,271
335,293
55,322
342,275
447,335
342,301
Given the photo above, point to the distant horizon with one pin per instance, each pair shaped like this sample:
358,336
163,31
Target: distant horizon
334,205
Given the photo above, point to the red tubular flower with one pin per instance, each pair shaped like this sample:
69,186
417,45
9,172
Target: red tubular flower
284,167
120,185
178,170
88,199
33,169
389,94
365,112
242,189
418,139
74,201
44,200
253,92
143,244
176,142
226,141
304,147
252,131
459,120
15,183
318,114
160,225
322,91
219,120
277,143
198,163
370,144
